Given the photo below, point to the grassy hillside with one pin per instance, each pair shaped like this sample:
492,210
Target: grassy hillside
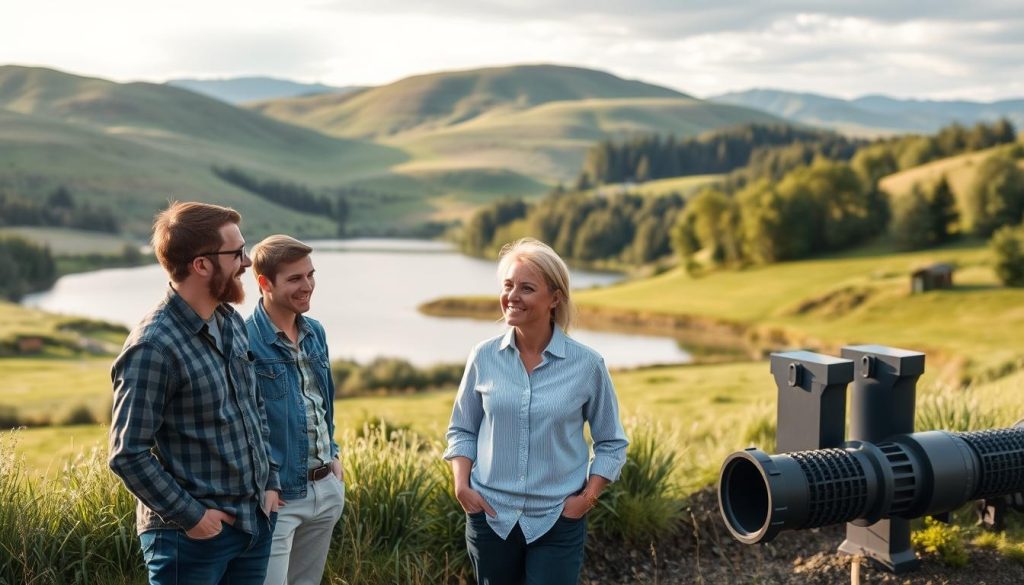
958,170
449,98
550,141
861,297
444,143
132,147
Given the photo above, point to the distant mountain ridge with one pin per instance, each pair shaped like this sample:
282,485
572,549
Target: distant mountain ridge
874,114
239,90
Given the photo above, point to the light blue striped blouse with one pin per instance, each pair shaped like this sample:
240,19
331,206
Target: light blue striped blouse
524,432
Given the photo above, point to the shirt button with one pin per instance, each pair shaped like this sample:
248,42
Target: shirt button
522,477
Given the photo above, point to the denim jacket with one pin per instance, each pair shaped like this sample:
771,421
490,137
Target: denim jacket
277,377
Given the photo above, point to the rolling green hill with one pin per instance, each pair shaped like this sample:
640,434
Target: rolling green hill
533,121
449,98
424,148
132,147
959,172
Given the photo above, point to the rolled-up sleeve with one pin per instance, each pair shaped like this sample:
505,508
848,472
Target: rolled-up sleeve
464,426
602,412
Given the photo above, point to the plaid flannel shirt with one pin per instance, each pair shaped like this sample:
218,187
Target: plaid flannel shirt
189,431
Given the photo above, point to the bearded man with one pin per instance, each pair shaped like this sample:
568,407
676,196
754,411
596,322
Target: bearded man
189,435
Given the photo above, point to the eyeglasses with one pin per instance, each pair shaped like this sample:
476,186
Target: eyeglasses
238,254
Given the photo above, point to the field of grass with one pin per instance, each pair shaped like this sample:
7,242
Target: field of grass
661,187
71,242
860,297
697,402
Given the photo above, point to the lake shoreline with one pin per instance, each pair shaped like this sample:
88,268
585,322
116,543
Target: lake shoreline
709,340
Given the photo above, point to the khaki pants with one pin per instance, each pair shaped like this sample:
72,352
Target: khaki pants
302,535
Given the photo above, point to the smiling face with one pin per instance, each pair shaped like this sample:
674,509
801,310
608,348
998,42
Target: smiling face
526,299
291,289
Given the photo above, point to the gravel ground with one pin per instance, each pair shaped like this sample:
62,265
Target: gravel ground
706,553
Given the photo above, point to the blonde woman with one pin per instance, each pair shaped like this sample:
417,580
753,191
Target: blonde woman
521,465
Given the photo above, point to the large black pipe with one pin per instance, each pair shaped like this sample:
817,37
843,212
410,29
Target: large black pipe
907,476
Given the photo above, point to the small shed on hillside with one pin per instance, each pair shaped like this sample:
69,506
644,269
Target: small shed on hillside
931,278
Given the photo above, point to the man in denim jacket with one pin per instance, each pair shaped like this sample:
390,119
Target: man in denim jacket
293,373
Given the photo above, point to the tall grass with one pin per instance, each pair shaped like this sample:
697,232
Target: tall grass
645,504
77,528
948,409
401,522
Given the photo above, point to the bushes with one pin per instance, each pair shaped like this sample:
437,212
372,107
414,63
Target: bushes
390,375
75,414
944,540
1007,245
24,267
927,216
645,505
996,196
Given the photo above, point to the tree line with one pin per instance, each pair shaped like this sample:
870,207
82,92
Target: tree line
59,209
888,156
24,267
789,201
654,157
582,228
832,205
288,194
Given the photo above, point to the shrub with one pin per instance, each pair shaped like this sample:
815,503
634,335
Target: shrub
944,540
9,418
1007,244
644,505
79,414
996,195
391,375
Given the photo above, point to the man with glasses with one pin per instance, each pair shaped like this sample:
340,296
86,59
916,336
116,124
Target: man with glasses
189,435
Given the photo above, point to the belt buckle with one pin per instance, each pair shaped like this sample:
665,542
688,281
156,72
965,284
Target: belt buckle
319,473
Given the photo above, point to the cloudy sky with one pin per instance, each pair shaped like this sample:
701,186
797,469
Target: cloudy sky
939,49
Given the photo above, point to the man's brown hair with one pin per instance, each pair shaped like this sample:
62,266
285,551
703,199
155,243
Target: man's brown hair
188,229
268,255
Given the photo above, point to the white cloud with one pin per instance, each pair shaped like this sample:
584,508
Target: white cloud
944,48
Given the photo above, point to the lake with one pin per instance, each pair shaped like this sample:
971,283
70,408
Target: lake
366,296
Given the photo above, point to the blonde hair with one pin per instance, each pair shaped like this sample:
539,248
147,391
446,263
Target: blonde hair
273,251
550,265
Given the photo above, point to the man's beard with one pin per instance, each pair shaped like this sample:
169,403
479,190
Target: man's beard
224,288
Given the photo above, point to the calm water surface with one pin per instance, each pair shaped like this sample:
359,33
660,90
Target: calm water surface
366,296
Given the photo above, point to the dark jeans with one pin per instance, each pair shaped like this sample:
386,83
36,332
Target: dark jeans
232,557
553,559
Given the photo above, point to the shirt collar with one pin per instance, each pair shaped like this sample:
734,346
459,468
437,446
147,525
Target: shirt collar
187,315
268,330
556,346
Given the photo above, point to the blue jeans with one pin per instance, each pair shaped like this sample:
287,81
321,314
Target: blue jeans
232,557
553,559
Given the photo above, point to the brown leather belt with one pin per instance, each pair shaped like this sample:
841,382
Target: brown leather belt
319,473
